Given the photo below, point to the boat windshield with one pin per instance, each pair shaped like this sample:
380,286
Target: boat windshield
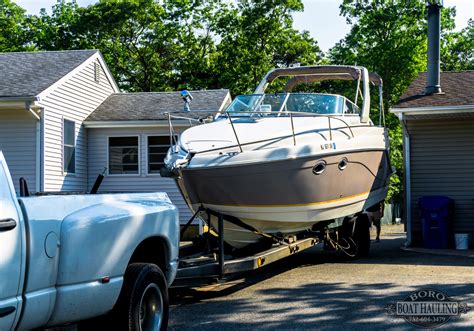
316,103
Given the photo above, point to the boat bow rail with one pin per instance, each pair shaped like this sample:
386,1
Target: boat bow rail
290,115
293,134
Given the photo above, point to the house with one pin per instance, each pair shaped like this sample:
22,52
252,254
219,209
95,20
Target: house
44,98
63,120
129,137
437,116
438,147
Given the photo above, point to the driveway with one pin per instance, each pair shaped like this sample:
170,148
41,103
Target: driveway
324,290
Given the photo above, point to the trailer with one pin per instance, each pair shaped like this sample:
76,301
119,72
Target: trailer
208,259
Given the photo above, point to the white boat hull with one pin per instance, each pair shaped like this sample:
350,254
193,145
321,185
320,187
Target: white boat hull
288,220
290,197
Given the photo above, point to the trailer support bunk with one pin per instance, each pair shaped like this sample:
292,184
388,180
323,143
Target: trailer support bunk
200,273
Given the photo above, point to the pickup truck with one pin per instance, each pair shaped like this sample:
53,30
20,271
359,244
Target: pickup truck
68,258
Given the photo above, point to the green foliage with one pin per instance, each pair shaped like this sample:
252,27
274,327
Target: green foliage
167,45
257,36
14,34
389,37
135,40
60,30
396,159
457,49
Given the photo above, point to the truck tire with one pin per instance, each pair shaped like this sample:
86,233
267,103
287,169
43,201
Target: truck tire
143,303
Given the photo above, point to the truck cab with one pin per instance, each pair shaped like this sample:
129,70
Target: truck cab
68,258
12,243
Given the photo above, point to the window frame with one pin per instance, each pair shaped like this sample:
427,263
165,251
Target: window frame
147,160
138,174
348,101
63,136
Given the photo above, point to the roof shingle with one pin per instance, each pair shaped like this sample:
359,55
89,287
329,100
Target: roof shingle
457,87
154,105
27,74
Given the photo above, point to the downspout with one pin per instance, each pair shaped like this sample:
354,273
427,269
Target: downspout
38,163
406,143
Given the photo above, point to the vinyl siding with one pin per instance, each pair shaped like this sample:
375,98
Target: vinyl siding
73,100
442,163
18,144
143,182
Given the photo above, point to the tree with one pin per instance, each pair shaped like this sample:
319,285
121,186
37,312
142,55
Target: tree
196,26
14,32
58,31
135,40
388,37
127,33
257,36
166,45
457,49
149,46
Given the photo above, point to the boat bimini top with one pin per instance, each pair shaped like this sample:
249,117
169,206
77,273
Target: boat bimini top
310,74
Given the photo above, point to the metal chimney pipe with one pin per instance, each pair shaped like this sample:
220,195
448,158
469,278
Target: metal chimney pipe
434,23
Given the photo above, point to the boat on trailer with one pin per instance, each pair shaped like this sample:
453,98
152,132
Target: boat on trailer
281,164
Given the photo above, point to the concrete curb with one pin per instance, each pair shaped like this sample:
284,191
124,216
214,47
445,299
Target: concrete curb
445,252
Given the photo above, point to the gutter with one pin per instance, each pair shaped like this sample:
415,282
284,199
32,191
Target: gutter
433,110
406,143
132,124
19,99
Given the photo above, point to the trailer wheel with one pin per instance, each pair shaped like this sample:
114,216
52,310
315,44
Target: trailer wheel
356,235
363,232
143,302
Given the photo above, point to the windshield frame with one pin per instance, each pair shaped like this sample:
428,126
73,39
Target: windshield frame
259,98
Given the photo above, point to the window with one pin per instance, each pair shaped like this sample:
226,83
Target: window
157,148
123,155
69,146
351,108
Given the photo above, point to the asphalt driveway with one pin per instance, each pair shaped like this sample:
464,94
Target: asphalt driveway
323,290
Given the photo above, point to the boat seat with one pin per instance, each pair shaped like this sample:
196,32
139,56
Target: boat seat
265,108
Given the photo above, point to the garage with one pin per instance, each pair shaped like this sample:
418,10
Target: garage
438,149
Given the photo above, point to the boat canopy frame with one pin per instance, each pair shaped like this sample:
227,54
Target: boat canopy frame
309,74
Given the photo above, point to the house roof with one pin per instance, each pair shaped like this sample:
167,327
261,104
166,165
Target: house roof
457,87
27,74
144,106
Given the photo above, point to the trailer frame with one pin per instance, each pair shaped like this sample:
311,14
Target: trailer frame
219,267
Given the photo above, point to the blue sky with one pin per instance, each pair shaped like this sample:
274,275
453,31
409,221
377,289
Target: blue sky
320,17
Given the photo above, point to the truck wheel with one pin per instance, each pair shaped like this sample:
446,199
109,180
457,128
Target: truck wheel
143,302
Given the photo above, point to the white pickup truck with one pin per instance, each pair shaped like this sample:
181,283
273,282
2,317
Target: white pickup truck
69,258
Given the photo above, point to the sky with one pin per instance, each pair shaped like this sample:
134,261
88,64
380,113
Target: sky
320,17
